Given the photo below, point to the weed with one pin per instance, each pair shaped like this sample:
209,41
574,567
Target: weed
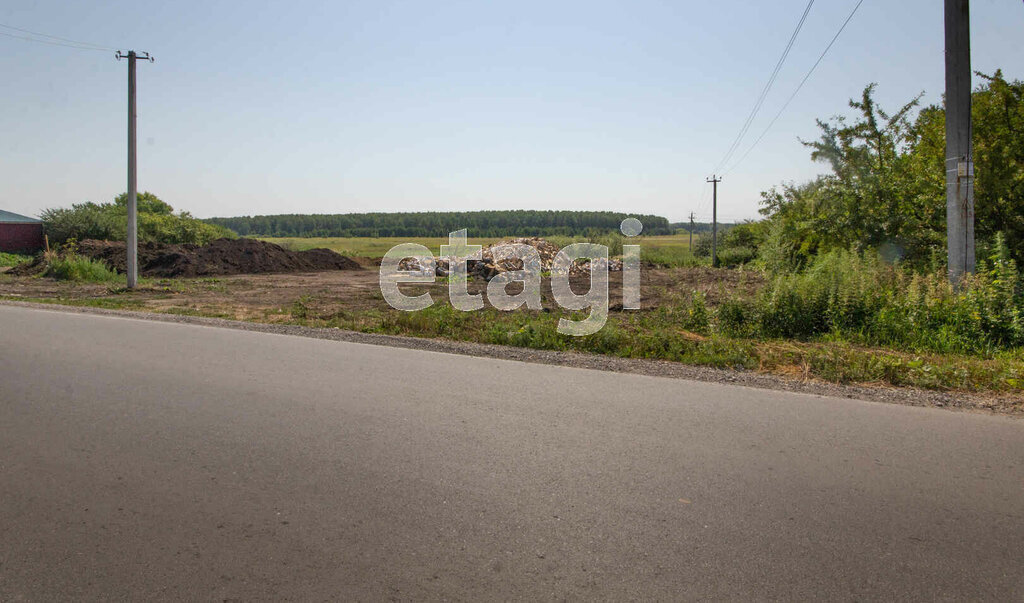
13,259
73,267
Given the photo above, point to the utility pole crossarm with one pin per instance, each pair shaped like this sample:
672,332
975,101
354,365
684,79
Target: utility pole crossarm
142,56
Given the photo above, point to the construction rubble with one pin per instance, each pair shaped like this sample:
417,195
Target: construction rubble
500,257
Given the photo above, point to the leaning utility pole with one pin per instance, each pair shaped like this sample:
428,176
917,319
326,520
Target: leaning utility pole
959,163
691,232
714,220
132,244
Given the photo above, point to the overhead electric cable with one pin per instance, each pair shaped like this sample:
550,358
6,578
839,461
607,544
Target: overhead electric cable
766,89
799,86
54,40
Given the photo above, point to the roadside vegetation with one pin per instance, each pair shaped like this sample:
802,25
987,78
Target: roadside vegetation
65,264
77,268
872,335
848,318
108,221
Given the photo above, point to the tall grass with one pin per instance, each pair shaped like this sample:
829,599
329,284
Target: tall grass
687,330
73,267
844,296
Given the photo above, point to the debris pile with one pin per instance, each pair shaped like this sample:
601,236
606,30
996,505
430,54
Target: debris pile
499,257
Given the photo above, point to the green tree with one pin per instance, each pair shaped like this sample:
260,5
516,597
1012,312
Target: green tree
866,201
886,189
997,116
108,221
146,202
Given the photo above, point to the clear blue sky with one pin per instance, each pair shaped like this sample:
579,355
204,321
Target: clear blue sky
335,107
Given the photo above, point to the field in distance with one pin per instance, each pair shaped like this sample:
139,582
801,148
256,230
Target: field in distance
667,245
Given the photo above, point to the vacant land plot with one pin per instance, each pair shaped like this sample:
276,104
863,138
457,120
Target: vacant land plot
690,313
678,307
341,291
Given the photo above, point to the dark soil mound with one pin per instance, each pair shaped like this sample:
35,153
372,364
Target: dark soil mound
36,266
220,257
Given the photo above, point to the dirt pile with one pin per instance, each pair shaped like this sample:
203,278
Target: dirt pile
220,257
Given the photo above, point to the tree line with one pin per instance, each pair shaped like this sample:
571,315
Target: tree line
507,223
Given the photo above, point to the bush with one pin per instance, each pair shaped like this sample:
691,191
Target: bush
731,257
613,242
702,246
777,252
737,244
737,318
179,229
73,267
84,221
13,259
157,222
669,257
748,235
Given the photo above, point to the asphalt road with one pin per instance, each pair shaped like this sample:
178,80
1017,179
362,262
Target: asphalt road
145,460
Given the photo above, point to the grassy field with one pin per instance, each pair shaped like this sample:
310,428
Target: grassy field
669,250
363,246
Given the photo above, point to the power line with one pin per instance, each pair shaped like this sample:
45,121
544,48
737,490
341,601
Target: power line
27,39
766,89
801,85
53,40
702,202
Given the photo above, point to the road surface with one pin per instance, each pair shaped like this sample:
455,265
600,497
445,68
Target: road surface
146,460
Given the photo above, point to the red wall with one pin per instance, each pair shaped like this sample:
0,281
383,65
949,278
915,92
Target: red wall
21,237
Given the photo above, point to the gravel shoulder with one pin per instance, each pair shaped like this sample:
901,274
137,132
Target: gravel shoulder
1005,405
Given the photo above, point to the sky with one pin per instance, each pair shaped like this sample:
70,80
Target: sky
338,107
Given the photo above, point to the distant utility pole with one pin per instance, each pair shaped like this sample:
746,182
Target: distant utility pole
959,163
691,232
132,244
714,219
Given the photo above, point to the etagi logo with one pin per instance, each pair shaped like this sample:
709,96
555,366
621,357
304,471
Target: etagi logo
570,260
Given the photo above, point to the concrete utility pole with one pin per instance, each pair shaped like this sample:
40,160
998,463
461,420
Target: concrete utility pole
132,244
959,163
714,220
